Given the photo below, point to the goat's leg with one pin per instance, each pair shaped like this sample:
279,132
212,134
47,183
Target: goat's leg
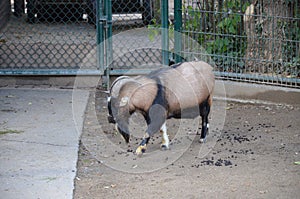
155,119
204,112
143,145
165,138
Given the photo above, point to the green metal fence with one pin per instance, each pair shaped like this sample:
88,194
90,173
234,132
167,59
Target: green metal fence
253,41
67,37
245,40
137,44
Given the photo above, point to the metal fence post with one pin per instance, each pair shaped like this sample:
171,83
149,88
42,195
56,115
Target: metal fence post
99,35
165,32
177,28
109,48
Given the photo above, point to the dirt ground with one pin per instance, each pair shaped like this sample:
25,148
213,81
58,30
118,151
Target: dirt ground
250,154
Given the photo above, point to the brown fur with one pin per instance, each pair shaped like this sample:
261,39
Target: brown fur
187,86
180,90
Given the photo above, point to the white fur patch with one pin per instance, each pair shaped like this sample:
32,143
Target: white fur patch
124,101
207,125
165,137
116,128
163,128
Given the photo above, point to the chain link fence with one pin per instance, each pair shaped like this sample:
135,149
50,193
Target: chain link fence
60,36
255,41
245,40
48,35
136,46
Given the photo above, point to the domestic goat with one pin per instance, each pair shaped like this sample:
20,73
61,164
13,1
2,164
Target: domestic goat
183,90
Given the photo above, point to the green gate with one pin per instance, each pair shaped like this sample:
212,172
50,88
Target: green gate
88,37
134,48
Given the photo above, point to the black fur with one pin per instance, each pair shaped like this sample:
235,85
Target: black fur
125,135
156,115
176,65
145,141
204,112
110,115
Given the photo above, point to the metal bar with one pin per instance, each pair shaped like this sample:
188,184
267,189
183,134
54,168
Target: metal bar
177,28
241,14
165,32
130,71
109,47
49,72
100,36
255,77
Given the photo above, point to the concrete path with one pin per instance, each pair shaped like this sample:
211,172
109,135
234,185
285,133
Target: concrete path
39,137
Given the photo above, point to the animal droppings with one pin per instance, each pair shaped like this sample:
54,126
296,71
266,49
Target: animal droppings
220,162
241,139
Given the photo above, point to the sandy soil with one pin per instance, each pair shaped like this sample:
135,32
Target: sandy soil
250,154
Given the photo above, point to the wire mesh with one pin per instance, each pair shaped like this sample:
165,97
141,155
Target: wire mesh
136,41
43,35
48,35
254,41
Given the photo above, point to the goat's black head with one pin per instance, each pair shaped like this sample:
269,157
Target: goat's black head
110,117
118,114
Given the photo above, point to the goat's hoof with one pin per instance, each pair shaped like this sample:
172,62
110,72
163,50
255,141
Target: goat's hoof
202,140
140,150
164,147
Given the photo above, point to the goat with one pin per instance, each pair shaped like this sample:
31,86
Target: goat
183,90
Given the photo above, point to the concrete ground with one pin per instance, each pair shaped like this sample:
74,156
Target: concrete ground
39,137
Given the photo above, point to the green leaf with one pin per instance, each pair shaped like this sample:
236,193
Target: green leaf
232,30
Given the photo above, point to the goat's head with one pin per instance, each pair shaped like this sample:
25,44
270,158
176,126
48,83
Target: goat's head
118,114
